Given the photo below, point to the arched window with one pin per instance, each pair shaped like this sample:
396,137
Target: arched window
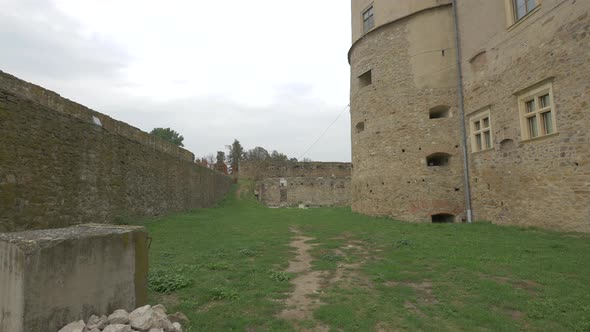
438,159
439,112
443,218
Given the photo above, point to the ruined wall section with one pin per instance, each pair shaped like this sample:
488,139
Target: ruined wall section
542,182
412,77
58,167
258,170
309,191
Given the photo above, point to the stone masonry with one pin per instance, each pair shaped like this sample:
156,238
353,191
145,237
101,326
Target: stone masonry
393,134
545,181
282,184
63,164
410,53
49,278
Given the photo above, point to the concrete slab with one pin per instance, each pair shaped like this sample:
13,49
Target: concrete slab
51,277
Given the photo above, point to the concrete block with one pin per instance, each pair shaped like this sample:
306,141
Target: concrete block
49,278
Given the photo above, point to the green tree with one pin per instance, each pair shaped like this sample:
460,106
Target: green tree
220,157
236,153
258,153
277,156
169,135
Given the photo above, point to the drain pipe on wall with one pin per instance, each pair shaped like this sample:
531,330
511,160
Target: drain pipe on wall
462,115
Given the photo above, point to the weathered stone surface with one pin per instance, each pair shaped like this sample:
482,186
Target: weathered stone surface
306,191
64,169
142,318
155,330
162,321
96,329
49,278
541,182
119,316
97,322
74,327
179,317
177,327
281,184
117,328
392,132
159,307
259,170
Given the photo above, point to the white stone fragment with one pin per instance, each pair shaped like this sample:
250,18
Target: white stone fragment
159,307
161,321
119,317
95,322
117,328
177,327
74,327
143,318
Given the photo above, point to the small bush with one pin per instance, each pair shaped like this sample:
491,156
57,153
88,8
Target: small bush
280,276
331,258
247,252
186,268
217,266
219,253
403,243
223,293
166,283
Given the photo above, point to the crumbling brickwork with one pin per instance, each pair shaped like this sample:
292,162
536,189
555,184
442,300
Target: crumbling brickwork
63,164
258,170
309,191
280,184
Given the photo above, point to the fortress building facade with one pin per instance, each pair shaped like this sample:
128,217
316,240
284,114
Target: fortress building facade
517,152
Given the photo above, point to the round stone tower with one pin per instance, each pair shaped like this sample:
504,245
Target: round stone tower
406,137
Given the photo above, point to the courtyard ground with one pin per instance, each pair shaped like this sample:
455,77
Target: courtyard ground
244,267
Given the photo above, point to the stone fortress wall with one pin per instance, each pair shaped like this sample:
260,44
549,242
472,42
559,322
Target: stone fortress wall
257,170
63,164
405,138
282,184
543,181
406,113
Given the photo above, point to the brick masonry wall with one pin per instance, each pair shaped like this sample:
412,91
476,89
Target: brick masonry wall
543,182
59,168
392,133
311,191
258,170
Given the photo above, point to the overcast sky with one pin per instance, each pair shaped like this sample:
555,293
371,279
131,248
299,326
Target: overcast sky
271,73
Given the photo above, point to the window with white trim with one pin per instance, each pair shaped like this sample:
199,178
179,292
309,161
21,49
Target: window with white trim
537,112
522,8
368,19
481,131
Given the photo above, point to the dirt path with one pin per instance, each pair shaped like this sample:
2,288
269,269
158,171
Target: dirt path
301,303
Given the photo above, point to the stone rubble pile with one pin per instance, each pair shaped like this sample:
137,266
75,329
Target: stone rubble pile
144,319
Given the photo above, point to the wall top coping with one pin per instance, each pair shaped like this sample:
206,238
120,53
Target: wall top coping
36,240
57,103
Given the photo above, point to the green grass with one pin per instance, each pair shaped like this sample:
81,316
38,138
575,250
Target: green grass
225,268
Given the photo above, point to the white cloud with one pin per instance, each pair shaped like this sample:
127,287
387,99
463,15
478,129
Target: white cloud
269,73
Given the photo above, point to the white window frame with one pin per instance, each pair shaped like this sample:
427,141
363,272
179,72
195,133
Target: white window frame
371,17
479,131
536,94
512,18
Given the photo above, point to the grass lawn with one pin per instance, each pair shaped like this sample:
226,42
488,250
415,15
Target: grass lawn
364,273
